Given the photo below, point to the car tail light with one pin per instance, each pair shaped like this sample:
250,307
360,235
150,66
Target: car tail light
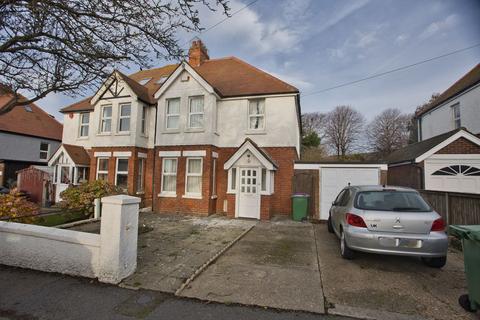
356,221
438,225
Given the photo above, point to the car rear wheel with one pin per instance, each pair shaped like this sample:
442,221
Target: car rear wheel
438,262
345,251
329,224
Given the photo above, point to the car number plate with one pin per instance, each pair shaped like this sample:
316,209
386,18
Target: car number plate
398,242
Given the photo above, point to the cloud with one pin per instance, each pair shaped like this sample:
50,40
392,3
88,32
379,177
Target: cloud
439,26
294,80
400,39
342,13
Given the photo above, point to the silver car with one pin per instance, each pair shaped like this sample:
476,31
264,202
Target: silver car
388,220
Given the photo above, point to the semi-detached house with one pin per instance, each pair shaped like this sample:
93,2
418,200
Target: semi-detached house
201,137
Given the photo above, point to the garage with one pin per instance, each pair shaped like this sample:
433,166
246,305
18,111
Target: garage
453,174
333,177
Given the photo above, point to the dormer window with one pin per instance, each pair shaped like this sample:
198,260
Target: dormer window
144,81
28,108
195,112
161,80
256,114
124,118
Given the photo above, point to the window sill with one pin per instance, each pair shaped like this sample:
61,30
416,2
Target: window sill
167,195
194,130
82,138
256,132
126,133
167,131
232,192
213,197
140,192
104,134
192,196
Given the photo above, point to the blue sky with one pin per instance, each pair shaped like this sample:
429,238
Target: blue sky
317,44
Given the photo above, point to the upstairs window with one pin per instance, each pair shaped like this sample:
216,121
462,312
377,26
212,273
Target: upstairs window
256,114
84,124
143,124
124,118
44,150
195,112
457,123
173,114
106,119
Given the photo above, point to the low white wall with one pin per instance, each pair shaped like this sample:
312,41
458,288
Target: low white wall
110,256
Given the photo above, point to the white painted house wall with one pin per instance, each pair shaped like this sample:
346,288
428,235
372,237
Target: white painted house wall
440,119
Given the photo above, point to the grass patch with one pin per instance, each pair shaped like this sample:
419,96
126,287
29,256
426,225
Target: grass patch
53,219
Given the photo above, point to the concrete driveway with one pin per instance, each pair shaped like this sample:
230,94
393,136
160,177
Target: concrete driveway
389,287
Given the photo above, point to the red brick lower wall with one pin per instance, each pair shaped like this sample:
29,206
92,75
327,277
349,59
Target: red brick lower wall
460,146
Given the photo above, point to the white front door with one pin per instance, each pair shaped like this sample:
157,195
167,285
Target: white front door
248,197
64,178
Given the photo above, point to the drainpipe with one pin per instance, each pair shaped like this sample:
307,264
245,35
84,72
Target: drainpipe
422,175
154,157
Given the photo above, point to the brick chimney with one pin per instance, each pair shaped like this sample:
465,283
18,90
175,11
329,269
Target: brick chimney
197,53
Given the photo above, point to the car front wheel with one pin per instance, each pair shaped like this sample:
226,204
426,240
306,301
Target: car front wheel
438,262
345,251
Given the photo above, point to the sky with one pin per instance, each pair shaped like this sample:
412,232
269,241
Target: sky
318,44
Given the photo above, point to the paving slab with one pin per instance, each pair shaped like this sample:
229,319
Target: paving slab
389,287
274,265
172,247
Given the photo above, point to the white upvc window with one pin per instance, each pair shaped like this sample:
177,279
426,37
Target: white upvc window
267,181
172,115
195,112
44,150
106,119
102,169
232,180
84,124
124,117
457,122
143,121
193,180
121,173
141,175
256,114
81,174
214,178
169,176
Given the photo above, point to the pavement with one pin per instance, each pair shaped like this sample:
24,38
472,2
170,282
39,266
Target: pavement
273,265
171,248
33,295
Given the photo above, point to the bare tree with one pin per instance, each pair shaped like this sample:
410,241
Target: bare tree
343,129
314,122
388,131
69,46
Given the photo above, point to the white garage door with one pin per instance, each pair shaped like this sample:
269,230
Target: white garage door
333,180
453,175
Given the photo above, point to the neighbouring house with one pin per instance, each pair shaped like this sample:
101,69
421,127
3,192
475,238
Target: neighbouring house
203,136
28,136
458,106
445,162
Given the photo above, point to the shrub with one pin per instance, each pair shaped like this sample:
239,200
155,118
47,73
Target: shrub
15,205
80,198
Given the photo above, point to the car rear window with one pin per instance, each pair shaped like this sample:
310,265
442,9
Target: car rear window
391,200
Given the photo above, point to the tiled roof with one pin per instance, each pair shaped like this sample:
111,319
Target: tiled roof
78,154
467,81
37,123
230,77
414,150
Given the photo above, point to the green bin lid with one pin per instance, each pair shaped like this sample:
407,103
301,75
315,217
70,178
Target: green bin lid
470,232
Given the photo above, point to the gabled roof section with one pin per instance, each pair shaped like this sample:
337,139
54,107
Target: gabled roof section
464,83
29,120
417,152
77,154
259,153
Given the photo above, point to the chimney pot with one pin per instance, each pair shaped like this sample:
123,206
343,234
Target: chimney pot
197,53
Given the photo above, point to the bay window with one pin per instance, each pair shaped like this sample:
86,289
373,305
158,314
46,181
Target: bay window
124,117
172,117
102,169
106,119
195,112
193,181
141,175
121,176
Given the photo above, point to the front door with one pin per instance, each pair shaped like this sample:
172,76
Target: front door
63,181
248,199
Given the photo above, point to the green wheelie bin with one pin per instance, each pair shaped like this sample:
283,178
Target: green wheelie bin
300,206
470,236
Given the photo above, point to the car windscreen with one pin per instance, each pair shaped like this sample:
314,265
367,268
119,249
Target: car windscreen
391,200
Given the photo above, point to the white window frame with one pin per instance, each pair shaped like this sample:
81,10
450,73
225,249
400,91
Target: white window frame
98,167
120,117
141,176
47,152
143,120
214,178
163,192
77,172
121,172
455,107
104,119
259,115
269,181
82,114
190,113
230,177
196,195
168,115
